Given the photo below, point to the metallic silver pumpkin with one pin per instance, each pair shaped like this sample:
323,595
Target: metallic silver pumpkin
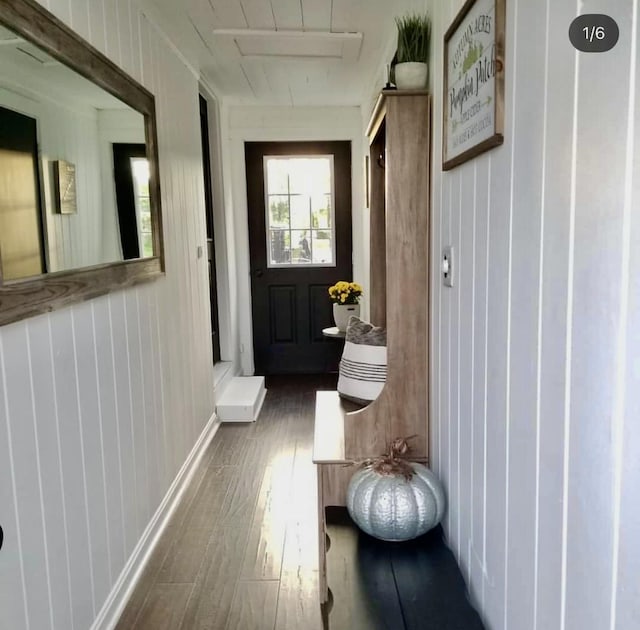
391,507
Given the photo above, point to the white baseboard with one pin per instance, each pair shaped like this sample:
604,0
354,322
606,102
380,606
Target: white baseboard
116,601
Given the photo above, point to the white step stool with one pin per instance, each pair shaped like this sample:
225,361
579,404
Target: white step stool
242,399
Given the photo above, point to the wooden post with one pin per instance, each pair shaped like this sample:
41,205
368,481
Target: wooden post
402,408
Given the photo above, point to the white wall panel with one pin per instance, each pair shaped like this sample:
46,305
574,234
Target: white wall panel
97,26
626,585
101,403
79,15
73,467
478,417
466,259
123,418
127,29
13,596
112,34
453,446
147,413
547,314
497,384
600,203
444,429
147,64
53,500
557,215
528,137
26,475
91,422
137,408
110,431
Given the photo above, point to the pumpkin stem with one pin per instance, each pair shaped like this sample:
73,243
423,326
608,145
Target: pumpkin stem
400,446
392,463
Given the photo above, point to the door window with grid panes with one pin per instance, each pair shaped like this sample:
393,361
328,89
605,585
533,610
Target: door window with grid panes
299,207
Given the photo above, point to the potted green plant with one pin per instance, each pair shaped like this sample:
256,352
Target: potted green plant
414,37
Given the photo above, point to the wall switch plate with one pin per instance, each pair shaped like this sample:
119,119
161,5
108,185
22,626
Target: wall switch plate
448,267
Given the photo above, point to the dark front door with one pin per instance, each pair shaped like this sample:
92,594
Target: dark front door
299,200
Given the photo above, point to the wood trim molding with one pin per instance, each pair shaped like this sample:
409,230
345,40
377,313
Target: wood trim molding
20,299
377,232
49,292
379,109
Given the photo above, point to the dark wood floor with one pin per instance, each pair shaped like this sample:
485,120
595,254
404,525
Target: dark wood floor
241,551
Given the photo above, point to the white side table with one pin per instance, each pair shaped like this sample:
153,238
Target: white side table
334,332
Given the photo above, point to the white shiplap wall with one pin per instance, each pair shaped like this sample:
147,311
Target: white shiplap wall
535,373
101,403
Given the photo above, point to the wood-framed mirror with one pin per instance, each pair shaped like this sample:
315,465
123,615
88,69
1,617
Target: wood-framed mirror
80,208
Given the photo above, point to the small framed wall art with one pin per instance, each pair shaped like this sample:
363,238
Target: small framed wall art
65,187
473,107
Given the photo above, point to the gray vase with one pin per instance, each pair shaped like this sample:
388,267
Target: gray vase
411,75
342,313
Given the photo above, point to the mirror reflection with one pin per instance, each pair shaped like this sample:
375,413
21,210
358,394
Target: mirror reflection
74,176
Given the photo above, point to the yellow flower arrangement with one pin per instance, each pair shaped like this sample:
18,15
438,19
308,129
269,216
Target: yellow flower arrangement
343,292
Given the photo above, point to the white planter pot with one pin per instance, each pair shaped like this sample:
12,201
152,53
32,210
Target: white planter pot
411,75
342,313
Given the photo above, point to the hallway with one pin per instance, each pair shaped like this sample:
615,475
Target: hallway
240,552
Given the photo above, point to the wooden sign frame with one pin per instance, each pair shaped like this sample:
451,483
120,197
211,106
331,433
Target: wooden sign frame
473,87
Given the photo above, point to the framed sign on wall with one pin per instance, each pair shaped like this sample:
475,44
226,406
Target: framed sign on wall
473,107
65,187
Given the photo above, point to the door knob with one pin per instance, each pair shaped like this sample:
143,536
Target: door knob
259,273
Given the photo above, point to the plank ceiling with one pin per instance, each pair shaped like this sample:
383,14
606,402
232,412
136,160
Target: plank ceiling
284,80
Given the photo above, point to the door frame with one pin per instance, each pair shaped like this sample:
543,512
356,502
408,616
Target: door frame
222,260
305,354
257,124
122,152
205,134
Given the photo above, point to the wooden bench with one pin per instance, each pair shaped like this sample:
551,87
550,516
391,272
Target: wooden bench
366,584
399,153
334,466
414,585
